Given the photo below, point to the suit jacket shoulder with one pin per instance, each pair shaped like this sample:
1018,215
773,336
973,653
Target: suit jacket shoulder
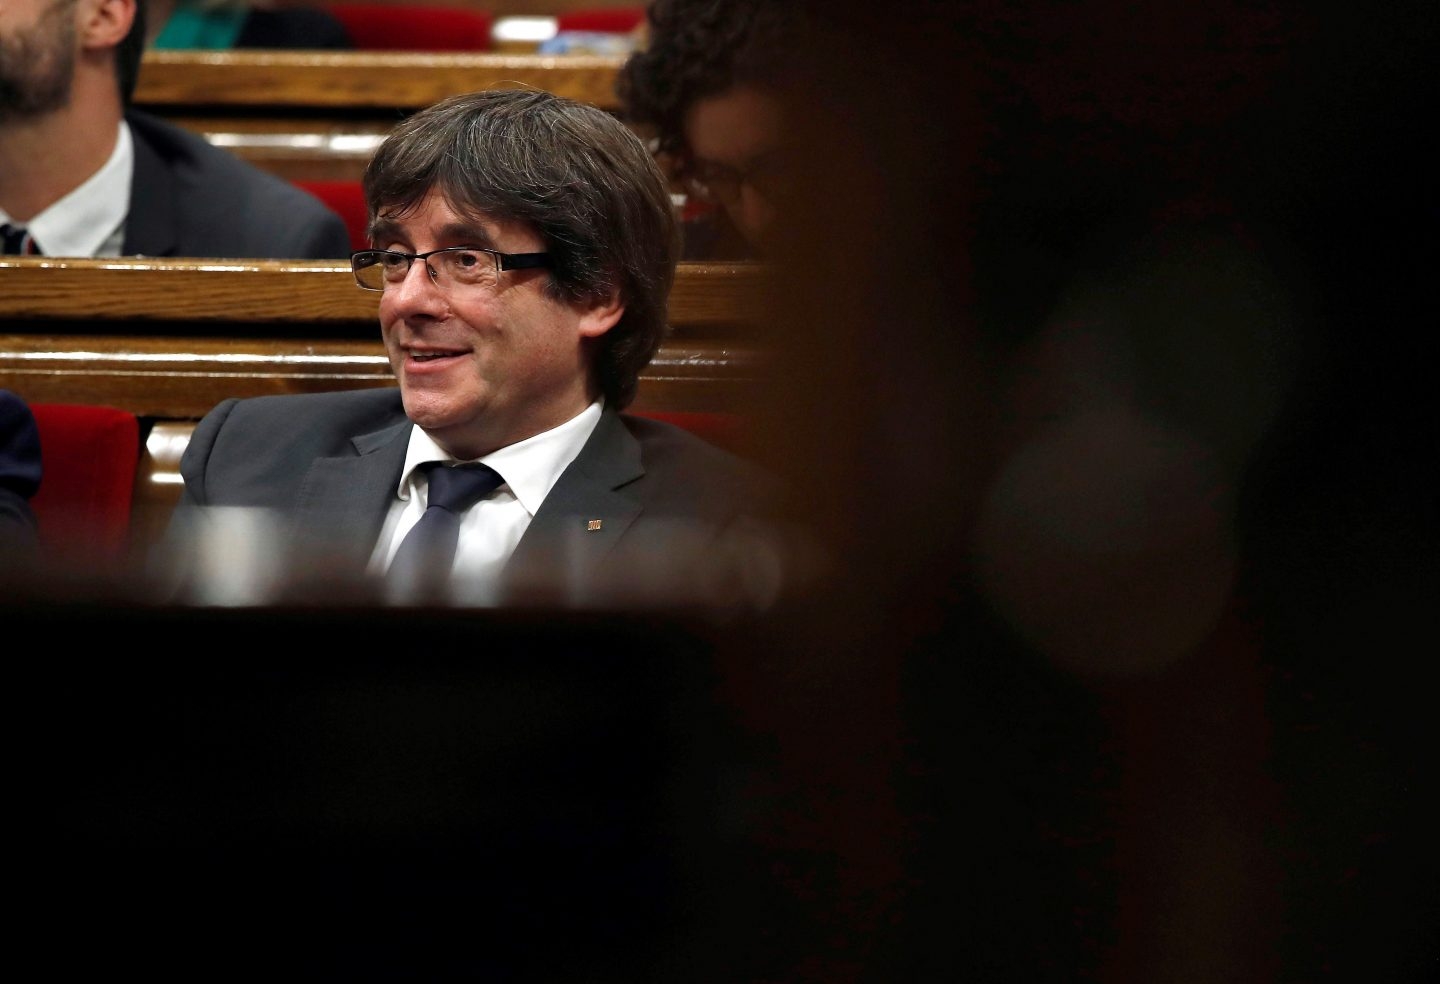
189,198
307,476
256,451
648,513
693,476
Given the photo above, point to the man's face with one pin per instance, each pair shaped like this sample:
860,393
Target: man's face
734,144
480,369
37,56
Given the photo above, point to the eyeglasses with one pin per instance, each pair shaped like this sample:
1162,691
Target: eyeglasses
720,183
453,266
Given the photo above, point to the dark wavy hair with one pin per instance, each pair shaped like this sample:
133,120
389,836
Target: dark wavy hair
570,171
700,48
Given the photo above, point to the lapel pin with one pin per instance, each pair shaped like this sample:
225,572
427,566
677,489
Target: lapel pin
592,526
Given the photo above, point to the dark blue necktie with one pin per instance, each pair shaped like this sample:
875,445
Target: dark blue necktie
17,241
425,557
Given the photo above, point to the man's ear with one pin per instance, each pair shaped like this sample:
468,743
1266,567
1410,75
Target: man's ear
600,315
104,23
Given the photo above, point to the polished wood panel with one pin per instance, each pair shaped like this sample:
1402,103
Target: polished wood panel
278,296
318,115
303,148
268,81
183,377
171,338
277,293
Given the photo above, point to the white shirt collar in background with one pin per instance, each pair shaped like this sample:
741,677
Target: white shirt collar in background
90,221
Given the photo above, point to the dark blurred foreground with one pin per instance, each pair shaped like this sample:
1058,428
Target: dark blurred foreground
361,795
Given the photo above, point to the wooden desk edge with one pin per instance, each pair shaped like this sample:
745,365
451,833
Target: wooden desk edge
295,291
372,80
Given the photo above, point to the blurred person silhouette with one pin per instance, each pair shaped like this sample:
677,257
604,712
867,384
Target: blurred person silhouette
20,471
704,86
525,249
83,173
223,24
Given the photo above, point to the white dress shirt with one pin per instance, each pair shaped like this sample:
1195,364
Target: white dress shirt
90,220
490,529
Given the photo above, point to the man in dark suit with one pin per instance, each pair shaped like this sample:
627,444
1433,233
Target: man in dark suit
526,248
85,175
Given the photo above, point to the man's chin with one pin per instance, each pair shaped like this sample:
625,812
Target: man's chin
430,410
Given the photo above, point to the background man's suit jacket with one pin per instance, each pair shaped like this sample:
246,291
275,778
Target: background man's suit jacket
19,470
646,506
188,198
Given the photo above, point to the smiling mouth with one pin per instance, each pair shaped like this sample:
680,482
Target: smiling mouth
432,356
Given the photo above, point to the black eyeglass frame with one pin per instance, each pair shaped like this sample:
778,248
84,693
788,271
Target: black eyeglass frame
503,261
720,184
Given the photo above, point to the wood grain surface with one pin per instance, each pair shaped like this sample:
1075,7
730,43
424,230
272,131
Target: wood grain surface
368,80
34,290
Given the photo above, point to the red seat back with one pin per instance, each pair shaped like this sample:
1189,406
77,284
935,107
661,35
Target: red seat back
348,201
605,20
409,27
89,458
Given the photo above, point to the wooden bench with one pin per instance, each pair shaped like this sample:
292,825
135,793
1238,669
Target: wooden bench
169,339
318,115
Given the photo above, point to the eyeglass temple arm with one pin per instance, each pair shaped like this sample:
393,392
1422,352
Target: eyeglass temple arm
523,261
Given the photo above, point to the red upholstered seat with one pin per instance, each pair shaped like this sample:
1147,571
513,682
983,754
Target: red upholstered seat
346,198
607,20
89,457
408,27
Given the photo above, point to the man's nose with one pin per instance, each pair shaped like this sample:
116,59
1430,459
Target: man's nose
417,292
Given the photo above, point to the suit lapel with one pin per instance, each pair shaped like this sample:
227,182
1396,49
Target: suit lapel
587,512
343,501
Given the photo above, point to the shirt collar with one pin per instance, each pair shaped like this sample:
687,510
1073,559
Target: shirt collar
530,467
83,222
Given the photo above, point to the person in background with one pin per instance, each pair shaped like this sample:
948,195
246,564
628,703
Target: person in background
19,474
220,24
525,249
82,173
705,83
